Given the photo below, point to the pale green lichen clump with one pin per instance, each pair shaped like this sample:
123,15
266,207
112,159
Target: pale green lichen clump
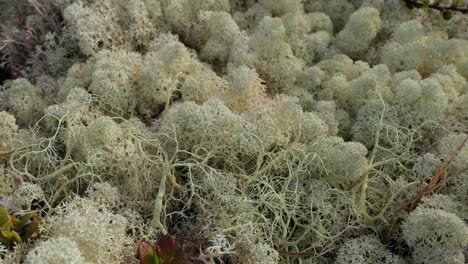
99,234
361,28
436,236
366,249
56,251
270,131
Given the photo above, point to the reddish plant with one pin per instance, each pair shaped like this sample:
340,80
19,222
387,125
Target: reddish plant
166,251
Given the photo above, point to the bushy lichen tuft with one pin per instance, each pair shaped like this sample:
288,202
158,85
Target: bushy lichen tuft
25,102
413,48
246,89
55,251
361,28
26,194
277,65
350,155
113,80
94,30
449,143
446,203
366,250
111,24
104,194
218,33
262,254
436,236
279,7
8,130
99,235
172,69
211,125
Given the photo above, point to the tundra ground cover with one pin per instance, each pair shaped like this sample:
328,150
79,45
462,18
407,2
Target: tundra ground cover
269,131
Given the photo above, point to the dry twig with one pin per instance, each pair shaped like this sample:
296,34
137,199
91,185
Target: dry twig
434,183
438,6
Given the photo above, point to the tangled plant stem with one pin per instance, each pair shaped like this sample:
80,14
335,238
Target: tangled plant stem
158,203
365,179
362,187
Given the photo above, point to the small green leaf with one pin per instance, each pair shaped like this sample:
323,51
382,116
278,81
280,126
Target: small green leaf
4,217
25,219
146,253
14,222
16,237
9,234
31,229
157,260
169,251
6,228
18,229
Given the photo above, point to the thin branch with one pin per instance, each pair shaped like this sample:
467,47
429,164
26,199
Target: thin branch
463,9
432,185
442,169
441,183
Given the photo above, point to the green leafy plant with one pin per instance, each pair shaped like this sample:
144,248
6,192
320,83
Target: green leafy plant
166,251
18,229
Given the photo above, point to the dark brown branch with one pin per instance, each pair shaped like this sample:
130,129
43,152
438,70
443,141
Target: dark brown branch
445,181
412,3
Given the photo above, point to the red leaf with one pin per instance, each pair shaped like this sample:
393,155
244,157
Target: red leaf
146,253
169,251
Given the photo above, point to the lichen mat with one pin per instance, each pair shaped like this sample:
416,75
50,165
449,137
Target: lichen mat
233,131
